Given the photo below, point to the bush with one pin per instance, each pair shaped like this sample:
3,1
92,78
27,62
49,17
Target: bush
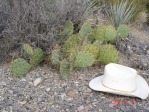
38,22
147,7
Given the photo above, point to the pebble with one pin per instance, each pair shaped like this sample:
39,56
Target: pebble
70,93
80,108
48,89
37,82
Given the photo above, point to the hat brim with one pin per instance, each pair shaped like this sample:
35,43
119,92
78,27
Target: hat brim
142,90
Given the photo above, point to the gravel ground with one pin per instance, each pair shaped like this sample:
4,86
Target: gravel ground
42,90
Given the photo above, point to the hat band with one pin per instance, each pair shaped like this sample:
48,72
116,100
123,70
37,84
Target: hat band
118,89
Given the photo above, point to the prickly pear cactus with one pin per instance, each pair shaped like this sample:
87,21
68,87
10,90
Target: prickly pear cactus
99,33
108,54
36,57
69,29
91,37
64,69
110,34
28,49
84,59
55,57
71,42
85,29
19,67
122,31
92,48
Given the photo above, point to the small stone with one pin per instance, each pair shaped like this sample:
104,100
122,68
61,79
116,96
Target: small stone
81,108
48,89
22,102
37,81
2,83
70,93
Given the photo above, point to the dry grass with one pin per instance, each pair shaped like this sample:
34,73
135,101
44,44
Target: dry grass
38,22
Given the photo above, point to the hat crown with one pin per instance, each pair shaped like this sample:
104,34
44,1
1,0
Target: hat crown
120,78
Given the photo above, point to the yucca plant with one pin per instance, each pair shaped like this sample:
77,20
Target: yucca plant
121,12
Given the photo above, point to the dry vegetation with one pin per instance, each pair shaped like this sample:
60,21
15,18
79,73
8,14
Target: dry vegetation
37,22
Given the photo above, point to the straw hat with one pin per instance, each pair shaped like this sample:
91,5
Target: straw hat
122,80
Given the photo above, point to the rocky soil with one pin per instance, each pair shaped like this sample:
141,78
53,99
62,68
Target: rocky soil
42,90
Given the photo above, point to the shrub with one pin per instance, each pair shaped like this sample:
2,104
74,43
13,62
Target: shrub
121,12
19,67
39,22
108,54
147,7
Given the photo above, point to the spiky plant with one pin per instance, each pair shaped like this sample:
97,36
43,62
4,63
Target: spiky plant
122,31
92,48
147,8
110,33
19,67
64,69
71,42
68,29
28,49
83,59
36,57
55,57
121,12
85,29
108,54
99,33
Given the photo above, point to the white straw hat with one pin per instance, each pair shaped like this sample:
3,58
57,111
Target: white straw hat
122,80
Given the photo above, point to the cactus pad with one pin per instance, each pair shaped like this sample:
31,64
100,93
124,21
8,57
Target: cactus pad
110,34
99,33
36,57
108,54
85,29
83,59
28,49
19,67
69,29
64,69
122,31
55,58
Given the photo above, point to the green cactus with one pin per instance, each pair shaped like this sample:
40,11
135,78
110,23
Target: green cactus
110,34
55,58
69,29
36,57
64,69
28,49
71,42
85,29
91,37
19,67
83,59
122,31
92,48
108,54
99,33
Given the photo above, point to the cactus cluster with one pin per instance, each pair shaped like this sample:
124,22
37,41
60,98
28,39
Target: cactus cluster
84,48
19,67
108,54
